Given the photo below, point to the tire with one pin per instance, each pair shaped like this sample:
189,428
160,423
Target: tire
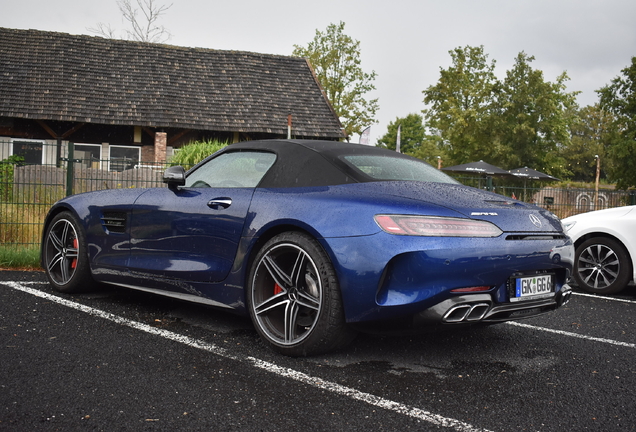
294,298
602,266
65,255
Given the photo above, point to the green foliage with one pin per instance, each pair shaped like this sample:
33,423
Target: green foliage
591,136
413,139
534,118
462,105
20,257
194,152
411,133
432,151
335,58
7,169
520,121
619,99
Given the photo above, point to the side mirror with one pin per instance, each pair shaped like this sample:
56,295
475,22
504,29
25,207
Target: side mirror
174,176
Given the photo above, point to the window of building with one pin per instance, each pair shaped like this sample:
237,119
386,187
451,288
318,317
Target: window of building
123,157
32,151
90,155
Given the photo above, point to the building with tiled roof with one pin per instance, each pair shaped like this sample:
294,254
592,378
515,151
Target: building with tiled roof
105,92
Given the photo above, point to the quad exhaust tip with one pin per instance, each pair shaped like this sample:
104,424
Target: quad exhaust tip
474,312
466,313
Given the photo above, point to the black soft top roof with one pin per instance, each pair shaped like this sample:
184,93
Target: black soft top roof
311,163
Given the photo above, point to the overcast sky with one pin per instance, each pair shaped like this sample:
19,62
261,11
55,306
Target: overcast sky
405,42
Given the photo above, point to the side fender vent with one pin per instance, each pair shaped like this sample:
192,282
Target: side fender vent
114,221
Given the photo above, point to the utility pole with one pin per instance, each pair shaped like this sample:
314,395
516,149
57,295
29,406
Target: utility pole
598,174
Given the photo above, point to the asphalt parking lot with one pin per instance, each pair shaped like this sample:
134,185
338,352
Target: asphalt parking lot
116,359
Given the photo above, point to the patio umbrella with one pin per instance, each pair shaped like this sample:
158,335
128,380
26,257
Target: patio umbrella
526,174
530,174
482,168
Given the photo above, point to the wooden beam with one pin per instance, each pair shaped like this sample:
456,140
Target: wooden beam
47,129
73,130
149,131
178,136
65,135
12,132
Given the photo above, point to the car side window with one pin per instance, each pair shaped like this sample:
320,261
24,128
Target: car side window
239,169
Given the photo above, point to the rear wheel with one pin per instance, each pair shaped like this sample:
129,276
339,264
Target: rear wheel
294,297
65,256
602,266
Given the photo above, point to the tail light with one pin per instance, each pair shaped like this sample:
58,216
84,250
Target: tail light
436,226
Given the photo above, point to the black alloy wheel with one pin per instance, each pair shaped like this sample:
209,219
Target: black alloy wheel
64,254
294,297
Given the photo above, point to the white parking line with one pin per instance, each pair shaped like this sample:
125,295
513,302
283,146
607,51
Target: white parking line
599,297
570,334
335,388
580,336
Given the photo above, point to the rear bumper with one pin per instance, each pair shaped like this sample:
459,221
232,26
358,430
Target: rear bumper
396,278
479,308
464,311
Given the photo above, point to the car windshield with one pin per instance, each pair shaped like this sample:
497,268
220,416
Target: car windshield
394,168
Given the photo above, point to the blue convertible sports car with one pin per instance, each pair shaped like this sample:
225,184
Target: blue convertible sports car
316,240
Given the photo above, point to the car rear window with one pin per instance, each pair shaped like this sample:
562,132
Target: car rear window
380,167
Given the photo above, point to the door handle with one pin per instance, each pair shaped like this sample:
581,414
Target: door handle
218,203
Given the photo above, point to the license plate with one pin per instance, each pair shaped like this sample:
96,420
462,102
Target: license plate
532,288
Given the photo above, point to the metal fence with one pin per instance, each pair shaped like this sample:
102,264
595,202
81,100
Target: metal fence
27,190
563,202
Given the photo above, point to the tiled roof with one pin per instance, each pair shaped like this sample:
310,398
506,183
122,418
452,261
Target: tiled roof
58,76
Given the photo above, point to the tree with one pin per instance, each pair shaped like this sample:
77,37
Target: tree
431,151
619,99
335,58
520,121
411,134
414,140
144,28
534,118
461,104
591,137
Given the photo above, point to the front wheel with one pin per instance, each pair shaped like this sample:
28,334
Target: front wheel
602,266
294,298
64,255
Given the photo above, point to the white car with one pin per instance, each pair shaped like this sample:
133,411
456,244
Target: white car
605,242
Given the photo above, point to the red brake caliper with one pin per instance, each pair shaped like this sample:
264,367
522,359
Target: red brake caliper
277,289
75,245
